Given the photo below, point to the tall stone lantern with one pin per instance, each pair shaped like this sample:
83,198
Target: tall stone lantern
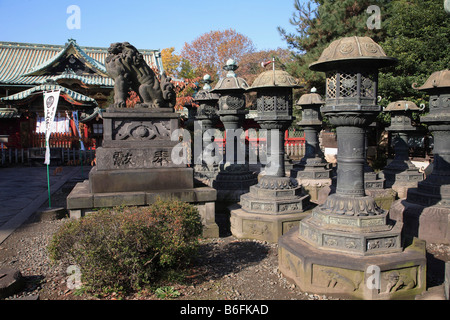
333,248
206,119
426,210
313,171
234,177
401,173
277,202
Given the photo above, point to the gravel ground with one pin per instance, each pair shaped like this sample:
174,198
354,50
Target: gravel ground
227,268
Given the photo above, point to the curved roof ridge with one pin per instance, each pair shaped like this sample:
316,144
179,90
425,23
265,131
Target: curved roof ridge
71,44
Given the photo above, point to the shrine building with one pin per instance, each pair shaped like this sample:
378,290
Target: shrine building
28,69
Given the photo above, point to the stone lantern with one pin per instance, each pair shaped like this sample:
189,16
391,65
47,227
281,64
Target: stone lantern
207,101
234,177
207,118
277,202
313,171
401,173
426,210
351,65
331,251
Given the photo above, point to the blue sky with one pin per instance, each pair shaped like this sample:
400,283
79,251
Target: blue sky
147,24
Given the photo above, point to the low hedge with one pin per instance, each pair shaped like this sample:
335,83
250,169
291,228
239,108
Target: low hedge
126,248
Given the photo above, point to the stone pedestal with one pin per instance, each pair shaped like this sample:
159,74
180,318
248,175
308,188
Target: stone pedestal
401,275
139,162
401,174
269,210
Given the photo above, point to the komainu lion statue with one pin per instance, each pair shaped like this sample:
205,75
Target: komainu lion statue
129,70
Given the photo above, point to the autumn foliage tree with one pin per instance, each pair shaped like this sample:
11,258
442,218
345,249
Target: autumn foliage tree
209,52
170,61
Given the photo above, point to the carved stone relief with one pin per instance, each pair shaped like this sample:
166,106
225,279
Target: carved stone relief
141,130
400,280
336,278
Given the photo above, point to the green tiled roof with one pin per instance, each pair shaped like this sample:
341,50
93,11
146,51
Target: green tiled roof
23,63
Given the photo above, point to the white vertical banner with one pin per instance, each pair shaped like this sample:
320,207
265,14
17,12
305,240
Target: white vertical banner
50,104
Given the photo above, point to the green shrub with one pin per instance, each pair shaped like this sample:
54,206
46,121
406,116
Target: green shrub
166,292
123,249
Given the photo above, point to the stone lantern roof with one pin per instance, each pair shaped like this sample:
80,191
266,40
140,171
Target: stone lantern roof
312,98
205,93
401,115
230,82
439,79
275,78
347,50
438,87
401,105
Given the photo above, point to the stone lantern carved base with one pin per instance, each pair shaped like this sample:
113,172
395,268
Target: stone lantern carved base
269,210
430,223
384,197
231,185
375,186
402,275
135,167
401,181
373,180
426,210
358,235
206,174
313,176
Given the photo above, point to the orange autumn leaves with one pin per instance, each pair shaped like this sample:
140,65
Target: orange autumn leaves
208,53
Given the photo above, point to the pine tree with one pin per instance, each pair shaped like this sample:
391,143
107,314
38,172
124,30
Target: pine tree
418,35
416,32
318,23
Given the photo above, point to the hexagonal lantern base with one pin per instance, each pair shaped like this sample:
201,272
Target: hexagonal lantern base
402,181
430,223
312,178
401,275
260,226
358,235
267,213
